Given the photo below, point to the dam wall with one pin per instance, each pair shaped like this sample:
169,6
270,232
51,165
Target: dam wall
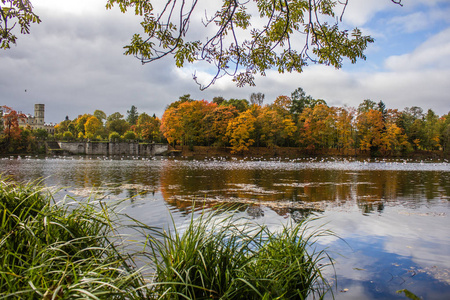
113,148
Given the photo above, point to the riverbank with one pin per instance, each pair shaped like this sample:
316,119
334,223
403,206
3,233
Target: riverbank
295,152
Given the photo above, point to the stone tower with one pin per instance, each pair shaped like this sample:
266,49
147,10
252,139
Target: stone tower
39,110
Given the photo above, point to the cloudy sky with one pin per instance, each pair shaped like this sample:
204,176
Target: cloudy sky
73,62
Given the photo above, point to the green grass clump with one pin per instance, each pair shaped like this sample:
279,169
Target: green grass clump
217,258
59,251
71,250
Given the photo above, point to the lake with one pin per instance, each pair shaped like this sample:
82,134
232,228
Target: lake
392,215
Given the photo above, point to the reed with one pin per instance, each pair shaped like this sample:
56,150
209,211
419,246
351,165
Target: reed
76,249
64,250
229,258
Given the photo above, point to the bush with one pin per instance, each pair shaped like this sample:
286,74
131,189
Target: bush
114,136
68,136
129,135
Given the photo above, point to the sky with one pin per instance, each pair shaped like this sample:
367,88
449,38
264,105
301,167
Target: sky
73,62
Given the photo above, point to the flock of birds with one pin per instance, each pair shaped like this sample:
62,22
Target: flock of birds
285,163
224,158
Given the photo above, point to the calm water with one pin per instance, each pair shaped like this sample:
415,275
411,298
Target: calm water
392,215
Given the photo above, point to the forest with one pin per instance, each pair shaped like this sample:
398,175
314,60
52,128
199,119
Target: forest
298,120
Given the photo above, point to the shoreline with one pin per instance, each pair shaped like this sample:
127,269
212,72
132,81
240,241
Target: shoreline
263,152
295,152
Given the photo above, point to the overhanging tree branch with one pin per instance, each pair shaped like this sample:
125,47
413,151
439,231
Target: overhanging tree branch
249,36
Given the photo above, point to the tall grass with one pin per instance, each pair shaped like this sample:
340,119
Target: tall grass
228,258
60,251
73,249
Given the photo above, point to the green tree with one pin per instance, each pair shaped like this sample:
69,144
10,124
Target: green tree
100,115
367,105
445,133
40,134
62,127
68,136
218,100
244,39
129,135
240,104
114,136
299,101
79,123
133,115
432,131
115,122
11,13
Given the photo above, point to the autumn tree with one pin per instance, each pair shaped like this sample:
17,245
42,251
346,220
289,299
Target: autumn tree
318,127
184,124
370,127
283,105
271,127
245,38
216,121
171,127
92,127
148,128
239,131
79,124
181,99
12,13
345,128
11,130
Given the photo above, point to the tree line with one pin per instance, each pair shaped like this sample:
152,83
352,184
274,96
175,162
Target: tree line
297,120
302,121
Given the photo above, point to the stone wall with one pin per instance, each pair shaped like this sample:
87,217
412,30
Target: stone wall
111,148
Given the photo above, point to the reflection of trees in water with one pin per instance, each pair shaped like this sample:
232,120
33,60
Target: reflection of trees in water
299,191
276,188
255,211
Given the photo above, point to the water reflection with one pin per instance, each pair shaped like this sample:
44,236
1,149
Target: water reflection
393,216
284,186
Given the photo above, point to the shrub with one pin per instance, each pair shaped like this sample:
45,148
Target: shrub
129,135
114,136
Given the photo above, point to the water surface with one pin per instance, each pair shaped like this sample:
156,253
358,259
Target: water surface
392,216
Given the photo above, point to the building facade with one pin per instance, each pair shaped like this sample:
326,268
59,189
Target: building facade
37,121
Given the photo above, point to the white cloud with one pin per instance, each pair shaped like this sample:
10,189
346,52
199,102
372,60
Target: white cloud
432,54
73,62
358,13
